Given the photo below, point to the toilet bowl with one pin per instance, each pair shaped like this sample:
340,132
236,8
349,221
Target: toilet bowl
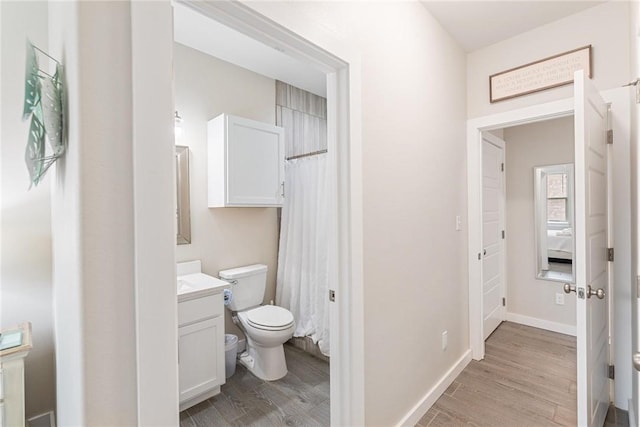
267,327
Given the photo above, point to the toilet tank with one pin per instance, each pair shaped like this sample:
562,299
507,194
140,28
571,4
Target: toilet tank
247,285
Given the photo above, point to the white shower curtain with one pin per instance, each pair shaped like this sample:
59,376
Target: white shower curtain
305,264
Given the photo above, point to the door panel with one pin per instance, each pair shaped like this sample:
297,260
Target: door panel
492,243
591,253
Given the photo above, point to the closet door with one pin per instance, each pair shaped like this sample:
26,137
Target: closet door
493,195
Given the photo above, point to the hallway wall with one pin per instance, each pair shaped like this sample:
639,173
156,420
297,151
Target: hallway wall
605,27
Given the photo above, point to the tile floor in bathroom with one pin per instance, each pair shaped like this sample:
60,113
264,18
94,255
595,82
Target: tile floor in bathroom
301,398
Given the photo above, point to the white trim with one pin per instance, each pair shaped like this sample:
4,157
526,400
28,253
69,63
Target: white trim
421,408
344,132
548,325
153,169
474,209
620,215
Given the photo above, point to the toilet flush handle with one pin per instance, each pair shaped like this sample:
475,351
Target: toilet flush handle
232,281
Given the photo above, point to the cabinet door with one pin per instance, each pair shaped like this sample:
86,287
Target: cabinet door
201,357
255,163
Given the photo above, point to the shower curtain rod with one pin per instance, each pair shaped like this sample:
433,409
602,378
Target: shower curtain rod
313,153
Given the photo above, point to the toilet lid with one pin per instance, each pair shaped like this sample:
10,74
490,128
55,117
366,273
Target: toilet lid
270,316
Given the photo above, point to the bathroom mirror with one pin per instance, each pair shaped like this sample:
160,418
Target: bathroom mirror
553,193
183,214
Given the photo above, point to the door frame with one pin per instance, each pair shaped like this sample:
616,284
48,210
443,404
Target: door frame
501,144
344,143
620,328
475,128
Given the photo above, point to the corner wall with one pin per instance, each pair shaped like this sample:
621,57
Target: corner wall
223,238
527,146
113,220
25,261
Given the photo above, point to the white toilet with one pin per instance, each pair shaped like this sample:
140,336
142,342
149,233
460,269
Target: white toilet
267,327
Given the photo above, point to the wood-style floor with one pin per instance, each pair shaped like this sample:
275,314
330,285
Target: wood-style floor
528,378
301,398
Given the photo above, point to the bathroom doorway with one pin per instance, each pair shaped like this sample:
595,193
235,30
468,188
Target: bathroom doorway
335,81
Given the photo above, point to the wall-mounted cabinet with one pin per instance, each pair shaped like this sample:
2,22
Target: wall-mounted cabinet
246,163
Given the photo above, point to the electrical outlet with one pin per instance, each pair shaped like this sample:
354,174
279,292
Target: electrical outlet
444,341
560,299
458,222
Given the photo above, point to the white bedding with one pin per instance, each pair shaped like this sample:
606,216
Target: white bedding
558,240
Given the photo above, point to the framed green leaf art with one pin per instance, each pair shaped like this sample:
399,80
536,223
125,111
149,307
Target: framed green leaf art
44,103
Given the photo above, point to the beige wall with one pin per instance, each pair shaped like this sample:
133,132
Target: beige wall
605,27
527,146
223,237
25,263
414,185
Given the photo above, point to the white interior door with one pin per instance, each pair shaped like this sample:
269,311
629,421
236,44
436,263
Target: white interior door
591,253
492,228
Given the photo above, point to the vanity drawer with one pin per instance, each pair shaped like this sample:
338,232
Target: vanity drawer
200,308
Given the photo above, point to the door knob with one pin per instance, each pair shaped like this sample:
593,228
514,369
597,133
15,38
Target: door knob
484,252
595,292
636,361
569,288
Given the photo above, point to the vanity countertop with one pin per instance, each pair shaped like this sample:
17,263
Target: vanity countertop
196,285
23,332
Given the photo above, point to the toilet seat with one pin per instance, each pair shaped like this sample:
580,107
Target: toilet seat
268,317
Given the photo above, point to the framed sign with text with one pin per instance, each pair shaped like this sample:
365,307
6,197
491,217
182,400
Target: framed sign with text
544,74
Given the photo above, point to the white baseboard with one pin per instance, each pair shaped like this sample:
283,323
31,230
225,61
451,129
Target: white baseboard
632,415
418,411
542,324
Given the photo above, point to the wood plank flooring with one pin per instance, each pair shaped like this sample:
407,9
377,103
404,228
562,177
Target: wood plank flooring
301,398
528,378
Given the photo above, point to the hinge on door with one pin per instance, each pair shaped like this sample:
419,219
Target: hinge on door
479,256
501,167
504,302
612,372
332,295
610,254
610,136
503,234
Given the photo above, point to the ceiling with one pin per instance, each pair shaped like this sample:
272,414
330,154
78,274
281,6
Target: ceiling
472,23
476,24
209,36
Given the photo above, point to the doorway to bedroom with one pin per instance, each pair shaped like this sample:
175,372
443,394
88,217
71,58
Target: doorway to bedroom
539,220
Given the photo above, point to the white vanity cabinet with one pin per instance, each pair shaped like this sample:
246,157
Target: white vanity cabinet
245,163
12,401
201,364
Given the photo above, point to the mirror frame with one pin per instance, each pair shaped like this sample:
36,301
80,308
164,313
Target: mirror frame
183,208
537,194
